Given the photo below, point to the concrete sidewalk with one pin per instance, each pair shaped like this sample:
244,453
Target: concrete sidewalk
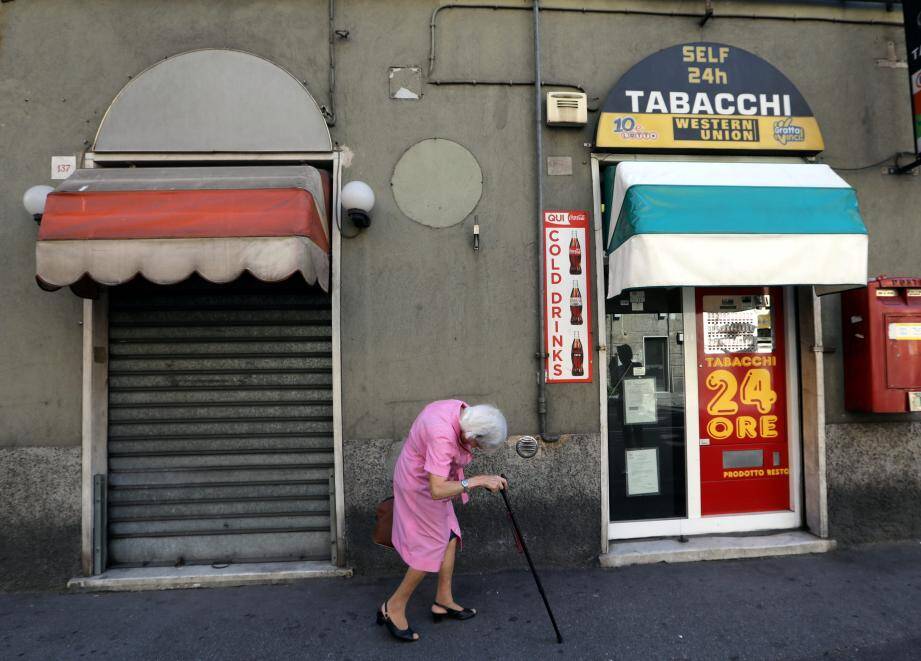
860,603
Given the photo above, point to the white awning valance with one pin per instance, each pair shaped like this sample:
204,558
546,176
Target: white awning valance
708,224
111,225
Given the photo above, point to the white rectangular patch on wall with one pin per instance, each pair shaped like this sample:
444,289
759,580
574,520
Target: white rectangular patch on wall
63,166
559,166
405,83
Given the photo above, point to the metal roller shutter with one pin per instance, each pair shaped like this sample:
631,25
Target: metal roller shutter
220,424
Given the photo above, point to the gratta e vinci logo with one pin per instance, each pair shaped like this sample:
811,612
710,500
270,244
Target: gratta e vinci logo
785,131
706,97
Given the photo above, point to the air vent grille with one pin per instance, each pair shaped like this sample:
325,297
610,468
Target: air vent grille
527,447
567,109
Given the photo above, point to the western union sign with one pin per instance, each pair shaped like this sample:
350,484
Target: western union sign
706,97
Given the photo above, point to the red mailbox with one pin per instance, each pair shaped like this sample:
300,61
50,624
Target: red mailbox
882,346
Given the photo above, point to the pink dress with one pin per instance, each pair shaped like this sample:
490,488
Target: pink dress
422,526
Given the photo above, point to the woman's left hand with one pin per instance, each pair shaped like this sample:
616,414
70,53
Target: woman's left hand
494,483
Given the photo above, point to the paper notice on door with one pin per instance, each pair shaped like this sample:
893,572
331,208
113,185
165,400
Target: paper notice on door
905,331
639,401
914,401
643,472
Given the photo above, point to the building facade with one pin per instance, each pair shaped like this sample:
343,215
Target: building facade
259,419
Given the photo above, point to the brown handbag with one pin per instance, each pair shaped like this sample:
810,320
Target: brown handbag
383,528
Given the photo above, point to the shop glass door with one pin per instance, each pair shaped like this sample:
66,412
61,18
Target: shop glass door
646,406
702,426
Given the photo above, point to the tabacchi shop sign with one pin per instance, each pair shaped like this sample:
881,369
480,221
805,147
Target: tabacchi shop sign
706,97
568,310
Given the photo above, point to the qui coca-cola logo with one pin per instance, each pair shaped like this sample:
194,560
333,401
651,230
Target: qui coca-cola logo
565,217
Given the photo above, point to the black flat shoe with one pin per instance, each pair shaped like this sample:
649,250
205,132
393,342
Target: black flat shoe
452,614
406,635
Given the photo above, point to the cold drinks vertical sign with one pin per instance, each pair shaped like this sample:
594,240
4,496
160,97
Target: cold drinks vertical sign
568,305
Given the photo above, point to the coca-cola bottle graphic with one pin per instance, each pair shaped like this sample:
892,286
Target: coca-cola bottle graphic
575,255
575,305
577,356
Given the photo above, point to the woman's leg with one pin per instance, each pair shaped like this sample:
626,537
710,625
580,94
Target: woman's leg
444,595
396,605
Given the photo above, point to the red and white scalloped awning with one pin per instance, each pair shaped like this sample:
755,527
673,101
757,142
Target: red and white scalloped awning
165,224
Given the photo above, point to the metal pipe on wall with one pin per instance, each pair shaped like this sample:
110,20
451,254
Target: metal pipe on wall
647,12
504,83
331,108
539,144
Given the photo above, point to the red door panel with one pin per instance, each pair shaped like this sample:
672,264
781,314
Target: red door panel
741,381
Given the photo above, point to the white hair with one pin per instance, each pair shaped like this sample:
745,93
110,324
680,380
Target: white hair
485,424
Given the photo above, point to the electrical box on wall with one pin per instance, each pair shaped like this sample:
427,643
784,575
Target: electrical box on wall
882,346
567,109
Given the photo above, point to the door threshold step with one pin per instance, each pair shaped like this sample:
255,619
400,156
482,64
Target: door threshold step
713,547
204,576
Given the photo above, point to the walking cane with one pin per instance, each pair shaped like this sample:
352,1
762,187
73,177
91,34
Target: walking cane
520,540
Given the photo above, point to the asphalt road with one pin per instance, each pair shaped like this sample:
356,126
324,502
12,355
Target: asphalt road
861,603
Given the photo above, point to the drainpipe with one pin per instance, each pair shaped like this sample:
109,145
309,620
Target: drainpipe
330,110
539,141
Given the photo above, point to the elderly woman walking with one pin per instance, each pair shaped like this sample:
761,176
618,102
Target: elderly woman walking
428,475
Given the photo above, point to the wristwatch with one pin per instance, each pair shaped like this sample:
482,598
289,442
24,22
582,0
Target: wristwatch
466,484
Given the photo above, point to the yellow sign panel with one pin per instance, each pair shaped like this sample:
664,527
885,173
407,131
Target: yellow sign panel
684,132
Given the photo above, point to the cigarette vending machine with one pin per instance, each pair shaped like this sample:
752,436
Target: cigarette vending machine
882,346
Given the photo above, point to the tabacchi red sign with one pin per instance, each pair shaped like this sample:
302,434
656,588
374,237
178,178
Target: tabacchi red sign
567,301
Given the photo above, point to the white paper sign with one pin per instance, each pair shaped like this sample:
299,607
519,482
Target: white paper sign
905,331
642,472
639,401
63,166
914,401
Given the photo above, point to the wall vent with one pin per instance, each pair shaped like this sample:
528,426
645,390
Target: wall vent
567,109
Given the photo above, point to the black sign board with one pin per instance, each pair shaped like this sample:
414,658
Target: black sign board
706,97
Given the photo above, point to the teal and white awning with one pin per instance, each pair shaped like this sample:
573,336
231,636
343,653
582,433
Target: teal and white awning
708,224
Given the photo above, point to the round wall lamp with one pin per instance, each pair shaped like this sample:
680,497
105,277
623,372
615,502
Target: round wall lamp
357,200
34,201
